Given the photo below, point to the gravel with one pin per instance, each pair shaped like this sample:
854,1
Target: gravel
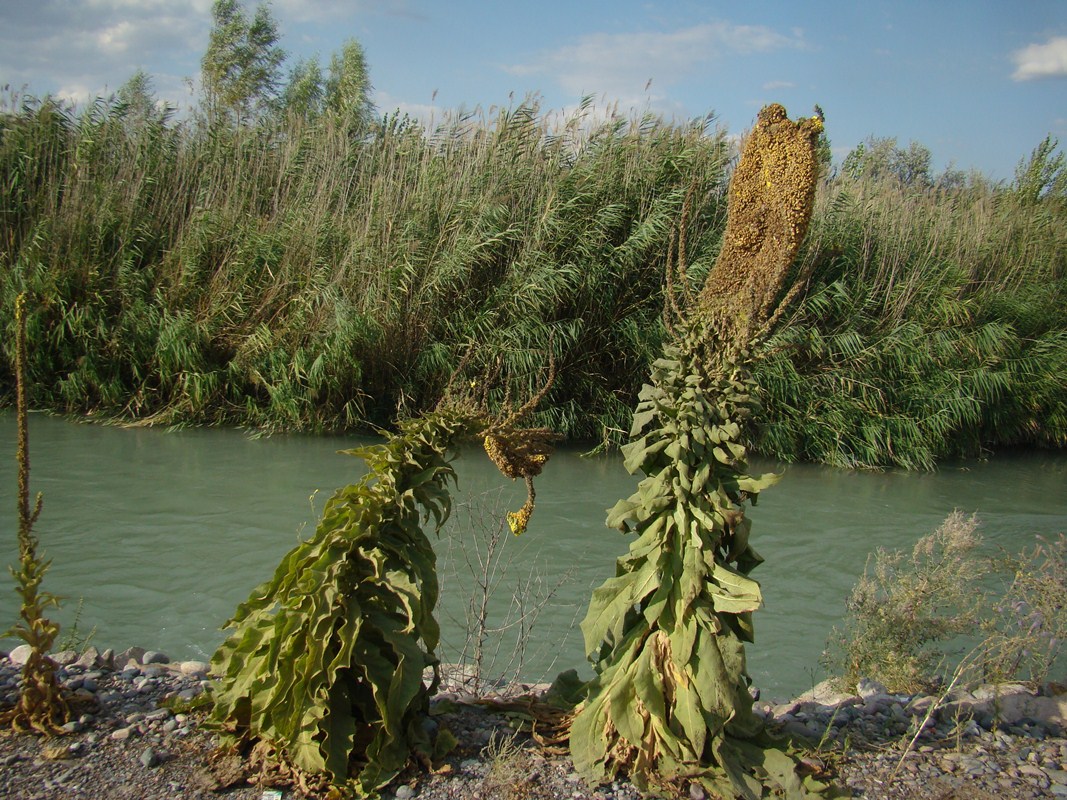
124,744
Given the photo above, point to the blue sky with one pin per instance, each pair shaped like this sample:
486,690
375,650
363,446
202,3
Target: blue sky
980,83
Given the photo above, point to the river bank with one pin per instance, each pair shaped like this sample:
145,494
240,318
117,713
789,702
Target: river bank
127,744
217,497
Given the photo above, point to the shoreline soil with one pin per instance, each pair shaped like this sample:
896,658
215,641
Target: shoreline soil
126,742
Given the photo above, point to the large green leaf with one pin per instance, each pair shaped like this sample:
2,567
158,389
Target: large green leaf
733,593
610,602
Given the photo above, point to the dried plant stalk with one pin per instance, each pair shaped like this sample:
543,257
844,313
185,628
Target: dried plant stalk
41,707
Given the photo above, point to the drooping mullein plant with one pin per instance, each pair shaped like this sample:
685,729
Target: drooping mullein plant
321,681
41,706
670,701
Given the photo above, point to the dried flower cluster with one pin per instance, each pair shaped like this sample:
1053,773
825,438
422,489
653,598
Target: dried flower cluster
772,194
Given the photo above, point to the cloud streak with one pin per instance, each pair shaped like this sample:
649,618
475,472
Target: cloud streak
1048,60
335,11
83,49
621,65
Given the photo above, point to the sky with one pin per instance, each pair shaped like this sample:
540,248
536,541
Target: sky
980,83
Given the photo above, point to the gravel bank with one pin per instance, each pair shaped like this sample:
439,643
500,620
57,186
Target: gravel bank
126,746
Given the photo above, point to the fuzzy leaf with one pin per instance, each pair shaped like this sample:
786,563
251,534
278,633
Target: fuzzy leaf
733,593
610,602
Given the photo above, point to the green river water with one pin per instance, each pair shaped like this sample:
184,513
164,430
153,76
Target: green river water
160,535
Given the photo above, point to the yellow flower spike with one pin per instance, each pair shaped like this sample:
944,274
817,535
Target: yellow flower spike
518,520
513,523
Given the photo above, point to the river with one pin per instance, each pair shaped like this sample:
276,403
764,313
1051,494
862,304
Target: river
158,535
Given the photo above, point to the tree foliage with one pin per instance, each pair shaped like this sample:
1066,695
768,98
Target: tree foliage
240,70
880,157
293,277
304,91
138,104
348,87
1043,174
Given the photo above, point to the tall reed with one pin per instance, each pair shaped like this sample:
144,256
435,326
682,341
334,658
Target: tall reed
294,276
933,325
299,278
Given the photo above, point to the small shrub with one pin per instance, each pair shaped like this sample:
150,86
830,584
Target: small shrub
1030,621
905,610
905,607
512,774
74,639
504,587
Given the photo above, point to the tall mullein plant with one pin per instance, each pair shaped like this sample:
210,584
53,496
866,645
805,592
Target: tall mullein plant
41,706
324,667
322,677
670,702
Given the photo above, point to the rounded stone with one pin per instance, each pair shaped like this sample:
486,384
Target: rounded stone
130,654
64,658
150,758
89,659
197,669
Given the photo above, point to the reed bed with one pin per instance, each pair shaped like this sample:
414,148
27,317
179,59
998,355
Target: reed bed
297,276
933,325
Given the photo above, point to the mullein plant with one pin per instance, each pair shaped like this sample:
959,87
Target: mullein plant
322,679
41,706
670,702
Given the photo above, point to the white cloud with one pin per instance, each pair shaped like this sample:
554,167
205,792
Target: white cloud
335,10
771,86
621,65
77,50
74,93
426,114
1048,60
115,39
